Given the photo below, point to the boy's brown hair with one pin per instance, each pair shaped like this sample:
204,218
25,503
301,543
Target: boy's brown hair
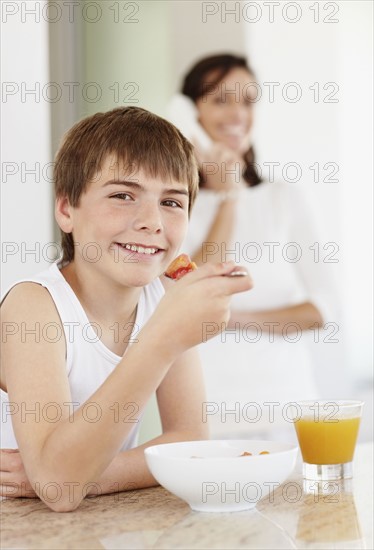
137,139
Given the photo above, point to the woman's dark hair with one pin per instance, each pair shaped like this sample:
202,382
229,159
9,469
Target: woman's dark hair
196,85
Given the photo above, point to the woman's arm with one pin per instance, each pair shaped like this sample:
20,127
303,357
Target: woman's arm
314,272
302,316
220,232
221,169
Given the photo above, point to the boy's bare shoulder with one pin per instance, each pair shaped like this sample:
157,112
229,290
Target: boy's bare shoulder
29,301
26,310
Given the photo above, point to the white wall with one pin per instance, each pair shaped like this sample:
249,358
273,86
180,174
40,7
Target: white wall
26,198
355,69
309,132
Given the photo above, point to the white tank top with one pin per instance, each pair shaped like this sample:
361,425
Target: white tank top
88,361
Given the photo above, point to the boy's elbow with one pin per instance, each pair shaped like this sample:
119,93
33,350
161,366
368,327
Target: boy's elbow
59,495
65,503
62,506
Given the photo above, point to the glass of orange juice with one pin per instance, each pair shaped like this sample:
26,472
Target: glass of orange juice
327,433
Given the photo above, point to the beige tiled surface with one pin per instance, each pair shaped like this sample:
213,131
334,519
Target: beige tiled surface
153,518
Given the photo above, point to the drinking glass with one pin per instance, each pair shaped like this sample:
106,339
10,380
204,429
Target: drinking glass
327,433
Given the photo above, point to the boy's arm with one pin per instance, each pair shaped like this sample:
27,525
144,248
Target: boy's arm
74,451
180,399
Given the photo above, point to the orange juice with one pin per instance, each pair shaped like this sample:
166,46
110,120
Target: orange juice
324,442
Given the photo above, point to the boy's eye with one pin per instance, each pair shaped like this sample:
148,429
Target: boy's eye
172,203
122,196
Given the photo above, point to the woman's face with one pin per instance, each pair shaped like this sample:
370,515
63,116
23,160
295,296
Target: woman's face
226,112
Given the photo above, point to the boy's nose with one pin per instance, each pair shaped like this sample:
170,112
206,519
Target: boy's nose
148,218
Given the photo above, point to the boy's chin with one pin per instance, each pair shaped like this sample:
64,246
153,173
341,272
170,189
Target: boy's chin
141,280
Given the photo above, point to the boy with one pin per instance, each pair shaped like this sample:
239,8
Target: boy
125,182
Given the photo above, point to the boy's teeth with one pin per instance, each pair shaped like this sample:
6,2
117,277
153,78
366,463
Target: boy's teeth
140,249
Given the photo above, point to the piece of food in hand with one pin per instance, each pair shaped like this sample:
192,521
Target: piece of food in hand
180,267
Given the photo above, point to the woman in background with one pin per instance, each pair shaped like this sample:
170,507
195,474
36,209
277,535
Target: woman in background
261,362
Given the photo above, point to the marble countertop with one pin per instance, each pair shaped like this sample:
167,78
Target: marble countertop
153,518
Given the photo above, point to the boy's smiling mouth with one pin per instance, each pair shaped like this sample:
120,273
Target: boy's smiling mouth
140,248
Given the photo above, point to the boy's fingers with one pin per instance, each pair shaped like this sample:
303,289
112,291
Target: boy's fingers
228,284
10,490
5,459
6,478
5,467
232,285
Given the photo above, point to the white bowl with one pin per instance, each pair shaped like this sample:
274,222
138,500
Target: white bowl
221,480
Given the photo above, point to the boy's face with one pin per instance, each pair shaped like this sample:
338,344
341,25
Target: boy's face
131,225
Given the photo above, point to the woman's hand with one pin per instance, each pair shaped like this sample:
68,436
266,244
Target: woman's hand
13,479
291,319
221,168
199,300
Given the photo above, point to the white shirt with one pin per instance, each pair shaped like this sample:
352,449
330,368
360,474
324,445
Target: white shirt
245,369
88,361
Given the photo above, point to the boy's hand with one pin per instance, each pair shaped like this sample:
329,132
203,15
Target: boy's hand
13,479
201,297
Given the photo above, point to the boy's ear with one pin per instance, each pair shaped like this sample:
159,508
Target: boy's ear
63,214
